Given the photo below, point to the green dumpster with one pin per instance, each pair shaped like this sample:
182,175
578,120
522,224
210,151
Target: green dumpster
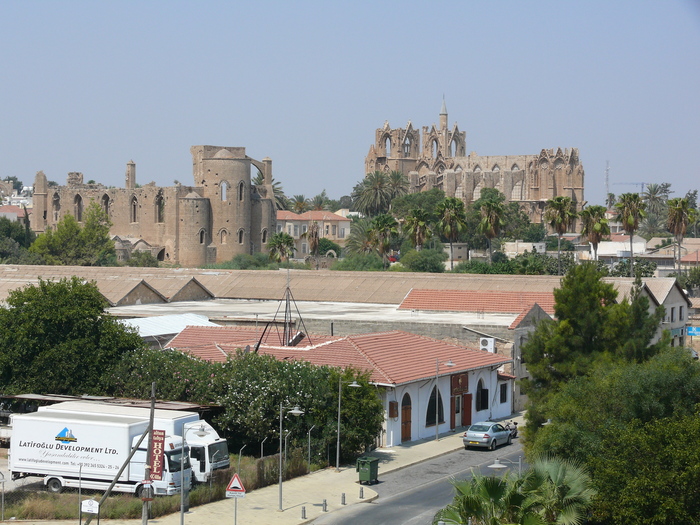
368,467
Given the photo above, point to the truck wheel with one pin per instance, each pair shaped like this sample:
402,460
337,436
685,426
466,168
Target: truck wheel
54,486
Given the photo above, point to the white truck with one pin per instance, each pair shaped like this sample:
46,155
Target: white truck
87,450
208,452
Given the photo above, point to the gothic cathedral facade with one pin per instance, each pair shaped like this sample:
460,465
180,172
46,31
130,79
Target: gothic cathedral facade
438,159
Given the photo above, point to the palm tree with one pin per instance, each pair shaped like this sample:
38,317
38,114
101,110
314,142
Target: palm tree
491,222
452,220
484,500
679,216
372,195
299,204
595,226
655,198
360,239
557,490
417,228
398,184
277,191
312,236
630,211
383,227
559,213
280,247
610,200
319,202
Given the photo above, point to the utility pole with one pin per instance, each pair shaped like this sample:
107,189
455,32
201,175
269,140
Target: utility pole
144,509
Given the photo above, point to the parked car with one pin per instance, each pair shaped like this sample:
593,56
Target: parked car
486,434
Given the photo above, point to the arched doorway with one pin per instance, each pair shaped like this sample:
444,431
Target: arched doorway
405,418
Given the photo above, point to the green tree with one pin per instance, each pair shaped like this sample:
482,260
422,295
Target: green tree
591,326
319,202
560,213
71,244
383,227
491,222
298,204
427,201
372,195
679,216
311,235
57,339
398,184
22,235
142,259
417,227
451,221
325,245
360,262
595,226
630,211
280,247
642,268
277,190
432,261
360,239
17,184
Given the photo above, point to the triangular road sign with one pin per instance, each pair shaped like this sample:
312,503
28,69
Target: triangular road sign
235,485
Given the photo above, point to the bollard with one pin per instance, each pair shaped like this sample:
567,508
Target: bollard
325,506
342,498
303,513
362,493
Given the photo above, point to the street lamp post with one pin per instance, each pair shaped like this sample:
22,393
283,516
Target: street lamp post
354,384
448,363
312,427
296,411
498,465
201,432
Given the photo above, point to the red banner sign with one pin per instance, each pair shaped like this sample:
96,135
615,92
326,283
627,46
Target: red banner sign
157,454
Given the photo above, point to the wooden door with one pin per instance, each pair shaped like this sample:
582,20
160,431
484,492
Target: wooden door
466,409
406,418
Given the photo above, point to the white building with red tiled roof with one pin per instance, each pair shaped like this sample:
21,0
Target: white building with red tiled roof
403,366
333,227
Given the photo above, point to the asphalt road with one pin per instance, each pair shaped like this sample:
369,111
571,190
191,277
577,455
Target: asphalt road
413,495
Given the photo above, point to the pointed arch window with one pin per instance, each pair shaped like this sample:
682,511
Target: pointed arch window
105,203
223,237
241,236
453,148
482,396
430,413
263,237
56,205
78,208
407,148
202,236
241,191
436,148
387,146
160,208
224,188
134,209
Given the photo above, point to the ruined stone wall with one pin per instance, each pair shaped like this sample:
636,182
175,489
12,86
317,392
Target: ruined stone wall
189,225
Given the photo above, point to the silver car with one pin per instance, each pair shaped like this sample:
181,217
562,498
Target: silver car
486,434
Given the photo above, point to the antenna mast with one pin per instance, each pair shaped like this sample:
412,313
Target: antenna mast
607,180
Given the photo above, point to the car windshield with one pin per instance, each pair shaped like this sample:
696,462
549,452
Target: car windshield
479,428
174,459
218,451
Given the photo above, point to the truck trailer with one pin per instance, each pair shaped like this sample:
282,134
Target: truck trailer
208,452
87,450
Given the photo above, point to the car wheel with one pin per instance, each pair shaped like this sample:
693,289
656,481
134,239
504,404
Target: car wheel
54,486
466,447
492,446
510,440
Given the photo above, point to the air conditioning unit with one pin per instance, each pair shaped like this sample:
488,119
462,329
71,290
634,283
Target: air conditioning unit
488,344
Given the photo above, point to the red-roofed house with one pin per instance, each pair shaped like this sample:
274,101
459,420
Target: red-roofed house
402,365
333,227
14,213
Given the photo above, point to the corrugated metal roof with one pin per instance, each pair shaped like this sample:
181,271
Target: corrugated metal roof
161,325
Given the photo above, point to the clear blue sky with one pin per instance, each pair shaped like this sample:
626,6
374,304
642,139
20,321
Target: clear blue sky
88,86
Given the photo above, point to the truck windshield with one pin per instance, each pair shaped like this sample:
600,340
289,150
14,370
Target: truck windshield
218,452
174,457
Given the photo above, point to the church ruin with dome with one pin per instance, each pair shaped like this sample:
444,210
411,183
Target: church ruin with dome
221,216
437,158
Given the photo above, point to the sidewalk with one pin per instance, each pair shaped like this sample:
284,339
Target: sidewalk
260,507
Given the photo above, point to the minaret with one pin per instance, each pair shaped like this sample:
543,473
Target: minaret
443,115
